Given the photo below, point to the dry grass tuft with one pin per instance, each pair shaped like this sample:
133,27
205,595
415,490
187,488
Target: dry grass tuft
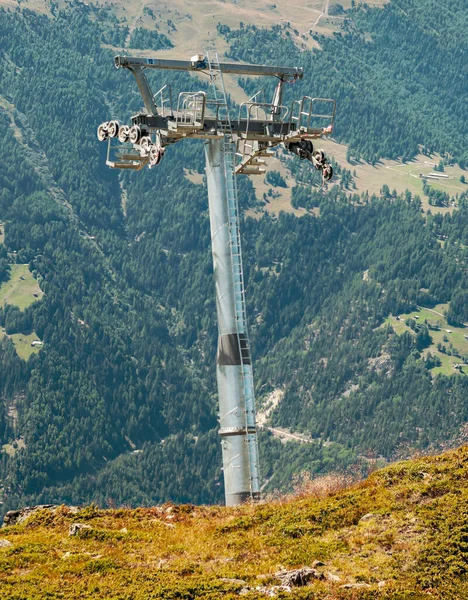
306,485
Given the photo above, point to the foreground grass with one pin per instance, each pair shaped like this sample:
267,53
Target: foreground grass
403,533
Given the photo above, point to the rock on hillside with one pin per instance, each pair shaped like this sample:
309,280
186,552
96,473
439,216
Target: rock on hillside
402,533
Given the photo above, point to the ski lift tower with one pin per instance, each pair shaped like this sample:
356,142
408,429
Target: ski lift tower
232,146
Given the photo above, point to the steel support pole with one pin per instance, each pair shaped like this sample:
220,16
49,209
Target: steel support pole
145,90
236,434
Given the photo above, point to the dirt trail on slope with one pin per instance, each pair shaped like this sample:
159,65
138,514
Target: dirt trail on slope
36,157
133,26
285,435
34,154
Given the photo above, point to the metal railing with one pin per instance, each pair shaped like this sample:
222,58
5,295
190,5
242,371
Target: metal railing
161,101
252,111
218,111
191,109
305,114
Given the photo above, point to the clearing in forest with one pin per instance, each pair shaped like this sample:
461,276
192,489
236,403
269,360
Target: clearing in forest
395,174
277,199
21,289
400,176
449,343
23,343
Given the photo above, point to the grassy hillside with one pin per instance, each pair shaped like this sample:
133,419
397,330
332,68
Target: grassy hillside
402,533
191,26
364,177
21,289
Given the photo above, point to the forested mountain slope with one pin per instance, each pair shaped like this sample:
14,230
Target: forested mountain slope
119,404
388,70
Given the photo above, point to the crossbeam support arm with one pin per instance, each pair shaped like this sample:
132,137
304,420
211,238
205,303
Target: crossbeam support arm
130,62
145,89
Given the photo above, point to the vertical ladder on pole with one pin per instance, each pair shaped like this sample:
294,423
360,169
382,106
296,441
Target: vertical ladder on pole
230,149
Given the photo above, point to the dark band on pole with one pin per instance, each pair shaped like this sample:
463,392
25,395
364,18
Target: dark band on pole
233,349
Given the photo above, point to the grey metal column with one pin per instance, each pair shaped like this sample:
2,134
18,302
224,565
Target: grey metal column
145,90
240,462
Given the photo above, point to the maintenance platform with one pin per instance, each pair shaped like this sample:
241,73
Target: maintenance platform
258,127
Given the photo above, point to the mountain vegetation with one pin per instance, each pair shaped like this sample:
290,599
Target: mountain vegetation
388,71
119,404
399,534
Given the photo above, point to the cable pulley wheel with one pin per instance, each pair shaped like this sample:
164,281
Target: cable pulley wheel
102,132
113,129
123,133
135,134
155,155
327,173
145,144
319,156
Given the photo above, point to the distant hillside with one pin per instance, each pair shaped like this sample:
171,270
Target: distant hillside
191,26
388,71
107,315
402,533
